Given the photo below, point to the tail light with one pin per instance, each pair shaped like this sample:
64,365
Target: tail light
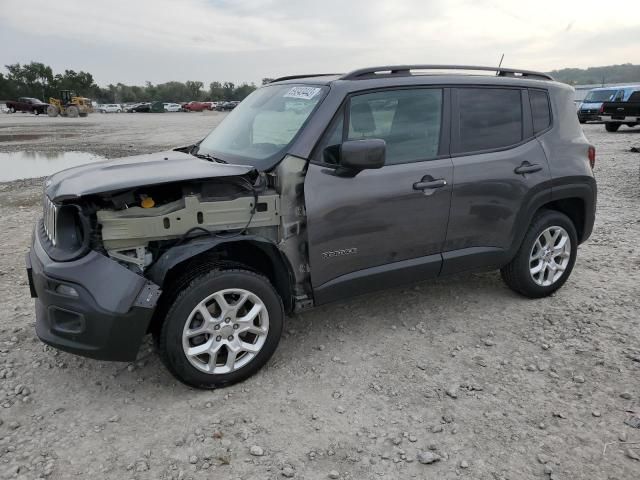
592,156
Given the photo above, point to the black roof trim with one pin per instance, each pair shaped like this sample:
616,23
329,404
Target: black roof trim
363,73
295,77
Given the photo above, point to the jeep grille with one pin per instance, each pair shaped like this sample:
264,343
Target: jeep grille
49,219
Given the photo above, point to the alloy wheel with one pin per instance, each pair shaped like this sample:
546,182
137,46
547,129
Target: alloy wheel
550,256
225,331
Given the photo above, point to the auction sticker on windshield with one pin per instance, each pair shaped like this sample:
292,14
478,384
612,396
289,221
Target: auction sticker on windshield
305,93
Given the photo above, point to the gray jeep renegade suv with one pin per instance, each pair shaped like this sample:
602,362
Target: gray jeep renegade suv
315,188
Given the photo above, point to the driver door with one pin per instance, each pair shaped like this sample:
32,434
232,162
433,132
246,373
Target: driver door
387,226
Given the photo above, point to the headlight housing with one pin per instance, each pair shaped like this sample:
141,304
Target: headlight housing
65,231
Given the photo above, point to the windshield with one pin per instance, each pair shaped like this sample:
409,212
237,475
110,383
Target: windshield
259,130
600,96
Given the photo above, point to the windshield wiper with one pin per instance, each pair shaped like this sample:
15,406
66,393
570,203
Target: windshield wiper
209,157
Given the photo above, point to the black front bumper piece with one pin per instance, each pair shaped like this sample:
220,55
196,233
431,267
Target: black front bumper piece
107,317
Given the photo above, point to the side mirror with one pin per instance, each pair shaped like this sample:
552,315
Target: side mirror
356,155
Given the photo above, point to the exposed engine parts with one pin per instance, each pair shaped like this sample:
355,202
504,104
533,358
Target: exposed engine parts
137,226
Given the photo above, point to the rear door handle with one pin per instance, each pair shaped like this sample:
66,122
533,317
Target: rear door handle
527,167
425,184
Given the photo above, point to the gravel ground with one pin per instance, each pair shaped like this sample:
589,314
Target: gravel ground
457,378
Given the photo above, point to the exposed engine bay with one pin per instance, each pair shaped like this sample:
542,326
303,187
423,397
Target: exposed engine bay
137,226
127,233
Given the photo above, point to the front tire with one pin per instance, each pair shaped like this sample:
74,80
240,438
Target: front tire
611,127
72,111
545,258
221,328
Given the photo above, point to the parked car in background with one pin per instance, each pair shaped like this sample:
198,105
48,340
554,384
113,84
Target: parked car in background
172,107
589,109
27,105
109,108
616,114
126,107
196,106
227,106
143,107
281,208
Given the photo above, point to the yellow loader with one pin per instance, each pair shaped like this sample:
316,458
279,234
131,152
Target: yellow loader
69,105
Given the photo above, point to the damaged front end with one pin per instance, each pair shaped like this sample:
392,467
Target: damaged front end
114,231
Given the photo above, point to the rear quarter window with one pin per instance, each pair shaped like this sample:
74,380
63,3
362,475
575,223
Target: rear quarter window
490,118
540,110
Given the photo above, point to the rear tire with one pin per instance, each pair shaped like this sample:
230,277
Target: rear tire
611,127
12,110
545,258
218,295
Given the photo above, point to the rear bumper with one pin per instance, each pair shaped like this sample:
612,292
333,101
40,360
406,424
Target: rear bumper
588,117
620,119
107,317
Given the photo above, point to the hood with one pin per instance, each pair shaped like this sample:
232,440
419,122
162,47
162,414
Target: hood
137,171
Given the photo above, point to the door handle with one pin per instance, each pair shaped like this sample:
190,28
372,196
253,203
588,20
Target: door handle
429,184
527,167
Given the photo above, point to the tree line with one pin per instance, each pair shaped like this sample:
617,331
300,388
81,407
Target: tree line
625,73
38,80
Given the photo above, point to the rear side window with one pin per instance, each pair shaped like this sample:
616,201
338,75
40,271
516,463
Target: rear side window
490,118
540,110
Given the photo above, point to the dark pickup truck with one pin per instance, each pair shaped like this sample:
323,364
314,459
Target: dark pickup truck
27,104
615,114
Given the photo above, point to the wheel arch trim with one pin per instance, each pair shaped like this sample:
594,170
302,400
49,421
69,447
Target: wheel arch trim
282,278
583,189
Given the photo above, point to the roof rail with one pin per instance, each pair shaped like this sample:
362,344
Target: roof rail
406,70
295,77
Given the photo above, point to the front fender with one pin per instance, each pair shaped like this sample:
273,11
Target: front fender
282,274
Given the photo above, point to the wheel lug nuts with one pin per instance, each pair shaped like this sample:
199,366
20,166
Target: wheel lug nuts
217,327
227,320
218,338
235,327
230,337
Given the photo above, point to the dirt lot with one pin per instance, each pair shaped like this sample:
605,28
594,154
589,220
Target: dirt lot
493,385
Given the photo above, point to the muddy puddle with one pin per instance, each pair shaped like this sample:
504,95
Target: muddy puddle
25,137
19,165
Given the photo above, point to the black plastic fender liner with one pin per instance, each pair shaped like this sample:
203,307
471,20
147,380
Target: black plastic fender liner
177,255
585,189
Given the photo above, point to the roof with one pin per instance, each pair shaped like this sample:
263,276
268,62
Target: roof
411,71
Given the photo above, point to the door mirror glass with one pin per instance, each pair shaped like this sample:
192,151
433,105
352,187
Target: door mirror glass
362,154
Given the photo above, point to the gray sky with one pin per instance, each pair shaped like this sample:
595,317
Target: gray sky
132,41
